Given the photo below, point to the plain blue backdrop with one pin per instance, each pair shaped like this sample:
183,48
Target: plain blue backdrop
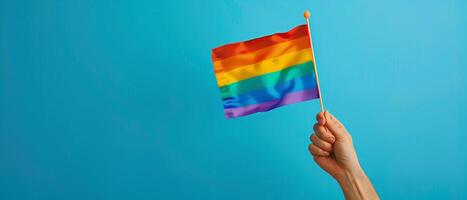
117,99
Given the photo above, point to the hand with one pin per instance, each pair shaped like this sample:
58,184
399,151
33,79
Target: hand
332,147
333,151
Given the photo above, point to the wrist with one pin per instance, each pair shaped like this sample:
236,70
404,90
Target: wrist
350,175
356,185
350,172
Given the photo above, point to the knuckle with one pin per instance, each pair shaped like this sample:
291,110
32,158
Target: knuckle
323,153
317,151
321,129
326,136
320,135
327,146
313,138
315,127
310,148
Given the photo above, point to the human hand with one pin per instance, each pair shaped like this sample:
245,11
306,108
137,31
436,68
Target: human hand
333,151
332,146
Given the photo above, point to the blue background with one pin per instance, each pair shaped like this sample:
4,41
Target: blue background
117,99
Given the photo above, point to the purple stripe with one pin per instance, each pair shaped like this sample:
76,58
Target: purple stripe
290,98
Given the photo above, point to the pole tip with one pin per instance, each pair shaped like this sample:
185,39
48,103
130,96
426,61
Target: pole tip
306,14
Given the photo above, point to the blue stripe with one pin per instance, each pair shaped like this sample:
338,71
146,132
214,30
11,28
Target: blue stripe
270,94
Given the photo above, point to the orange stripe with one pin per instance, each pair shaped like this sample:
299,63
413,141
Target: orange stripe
262,54
237,48
263,67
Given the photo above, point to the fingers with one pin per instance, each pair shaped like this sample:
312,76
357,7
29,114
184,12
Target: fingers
316,151
323,133
334,126
321,143
320,118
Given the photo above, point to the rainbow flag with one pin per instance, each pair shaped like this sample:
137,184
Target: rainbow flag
265,73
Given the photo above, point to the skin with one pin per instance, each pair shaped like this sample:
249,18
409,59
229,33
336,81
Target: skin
334,152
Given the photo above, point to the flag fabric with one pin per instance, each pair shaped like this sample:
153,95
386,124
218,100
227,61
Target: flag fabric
265,73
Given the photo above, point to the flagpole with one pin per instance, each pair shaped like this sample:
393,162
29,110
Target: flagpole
307,15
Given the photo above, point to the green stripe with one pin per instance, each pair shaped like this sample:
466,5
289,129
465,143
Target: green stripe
266,80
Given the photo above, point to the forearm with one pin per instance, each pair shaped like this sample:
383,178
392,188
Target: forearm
356,185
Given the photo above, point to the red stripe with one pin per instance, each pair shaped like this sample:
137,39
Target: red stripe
237,48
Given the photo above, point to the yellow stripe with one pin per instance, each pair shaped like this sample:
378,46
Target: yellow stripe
262,54
263,67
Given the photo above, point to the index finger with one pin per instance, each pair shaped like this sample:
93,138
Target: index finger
323,134
320,118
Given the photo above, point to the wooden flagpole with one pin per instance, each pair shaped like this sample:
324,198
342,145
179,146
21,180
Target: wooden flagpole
307,15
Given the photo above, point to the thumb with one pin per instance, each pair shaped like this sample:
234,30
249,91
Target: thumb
335,127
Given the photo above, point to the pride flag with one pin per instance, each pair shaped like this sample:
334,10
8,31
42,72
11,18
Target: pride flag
265,73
